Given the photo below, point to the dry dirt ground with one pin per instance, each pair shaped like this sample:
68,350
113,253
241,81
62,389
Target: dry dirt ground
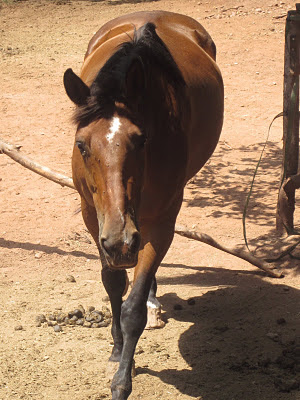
238,341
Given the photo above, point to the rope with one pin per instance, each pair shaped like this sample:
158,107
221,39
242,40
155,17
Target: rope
252,183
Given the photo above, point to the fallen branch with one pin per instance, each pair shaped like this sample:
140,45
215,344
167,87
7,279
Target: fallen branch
245,255
14,153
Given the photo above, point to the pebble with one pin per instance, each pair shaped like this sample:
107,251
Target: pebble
273,336
191,301
57,328
70,278
76,313
73,320
40,318
19,328
61,317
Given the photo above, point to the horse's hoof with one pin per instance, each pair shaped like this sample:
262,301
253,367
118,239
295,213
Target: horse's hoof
112,368
154,320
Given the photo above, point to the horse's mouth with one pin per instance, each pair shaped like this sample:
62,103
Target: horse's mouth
121,262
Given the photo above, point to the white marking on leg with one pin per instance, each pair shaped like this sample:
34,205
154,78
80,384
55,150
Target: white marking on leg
114,128
151,305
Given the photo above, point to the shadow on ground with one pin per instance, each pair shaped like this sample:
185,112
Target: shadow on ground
243,337
11,244
223,184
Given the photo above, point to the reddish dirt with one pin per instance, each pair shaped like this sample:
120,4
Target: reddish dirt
238,341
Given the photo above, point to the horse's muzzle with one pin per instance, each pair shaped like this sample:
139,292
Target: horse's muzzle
121,253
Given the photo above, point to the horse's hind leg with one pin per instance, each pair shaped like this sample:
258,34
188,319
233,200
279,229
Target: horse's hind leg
154,320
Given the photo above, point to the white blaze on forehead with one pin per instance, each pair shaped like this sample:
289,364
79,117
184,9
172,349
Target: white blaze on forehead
114,128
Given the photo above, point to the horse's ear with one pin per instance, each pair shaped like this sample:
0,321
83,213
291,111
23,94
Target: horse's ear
76,89
135,79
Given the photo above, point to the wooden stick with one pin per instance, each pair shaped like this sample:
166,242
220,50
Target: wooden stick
204,238
14,153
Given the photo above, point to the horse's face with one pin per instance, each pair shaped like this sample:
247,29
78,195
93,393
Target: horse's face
113,154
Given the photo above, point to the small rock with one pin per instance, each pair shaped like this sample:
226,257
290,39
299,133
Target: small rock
76,313
105,299
191,301
139,350
90,309
95,325
61,317
51,317
80,321
40,319
89,318
106,312
97,316
273,336
73,320
81,308
19,328
57,328
70,278
87,324
105,323
38,255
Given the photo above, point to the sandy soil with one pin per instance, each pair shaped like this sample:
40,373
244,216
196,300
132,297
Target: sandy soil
239,338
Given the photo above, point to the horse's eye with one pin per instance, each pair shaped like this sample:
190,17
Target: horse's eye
82,148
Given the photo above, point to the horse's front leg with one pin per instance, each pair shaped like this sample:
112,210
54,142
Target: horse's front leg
133,321
134,310
115,283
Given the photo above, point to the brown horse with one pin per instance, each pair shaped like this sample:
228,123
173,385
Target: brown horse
149,114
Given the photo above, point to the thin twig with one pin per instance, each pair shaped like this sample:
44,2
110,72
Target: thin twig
204,238
14,153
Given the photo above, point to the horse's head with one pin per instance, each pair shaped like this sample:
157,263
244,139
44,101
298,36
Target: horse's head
111,149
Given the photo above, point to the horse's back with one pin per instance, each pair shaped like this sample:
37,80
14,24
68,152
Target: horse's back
194,52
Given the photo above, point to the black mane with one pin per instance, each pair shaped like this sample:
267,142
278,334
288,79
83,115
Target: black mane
108,87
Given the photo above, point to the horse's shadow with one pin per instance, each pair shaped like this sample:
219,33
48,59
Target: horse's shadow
241,339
